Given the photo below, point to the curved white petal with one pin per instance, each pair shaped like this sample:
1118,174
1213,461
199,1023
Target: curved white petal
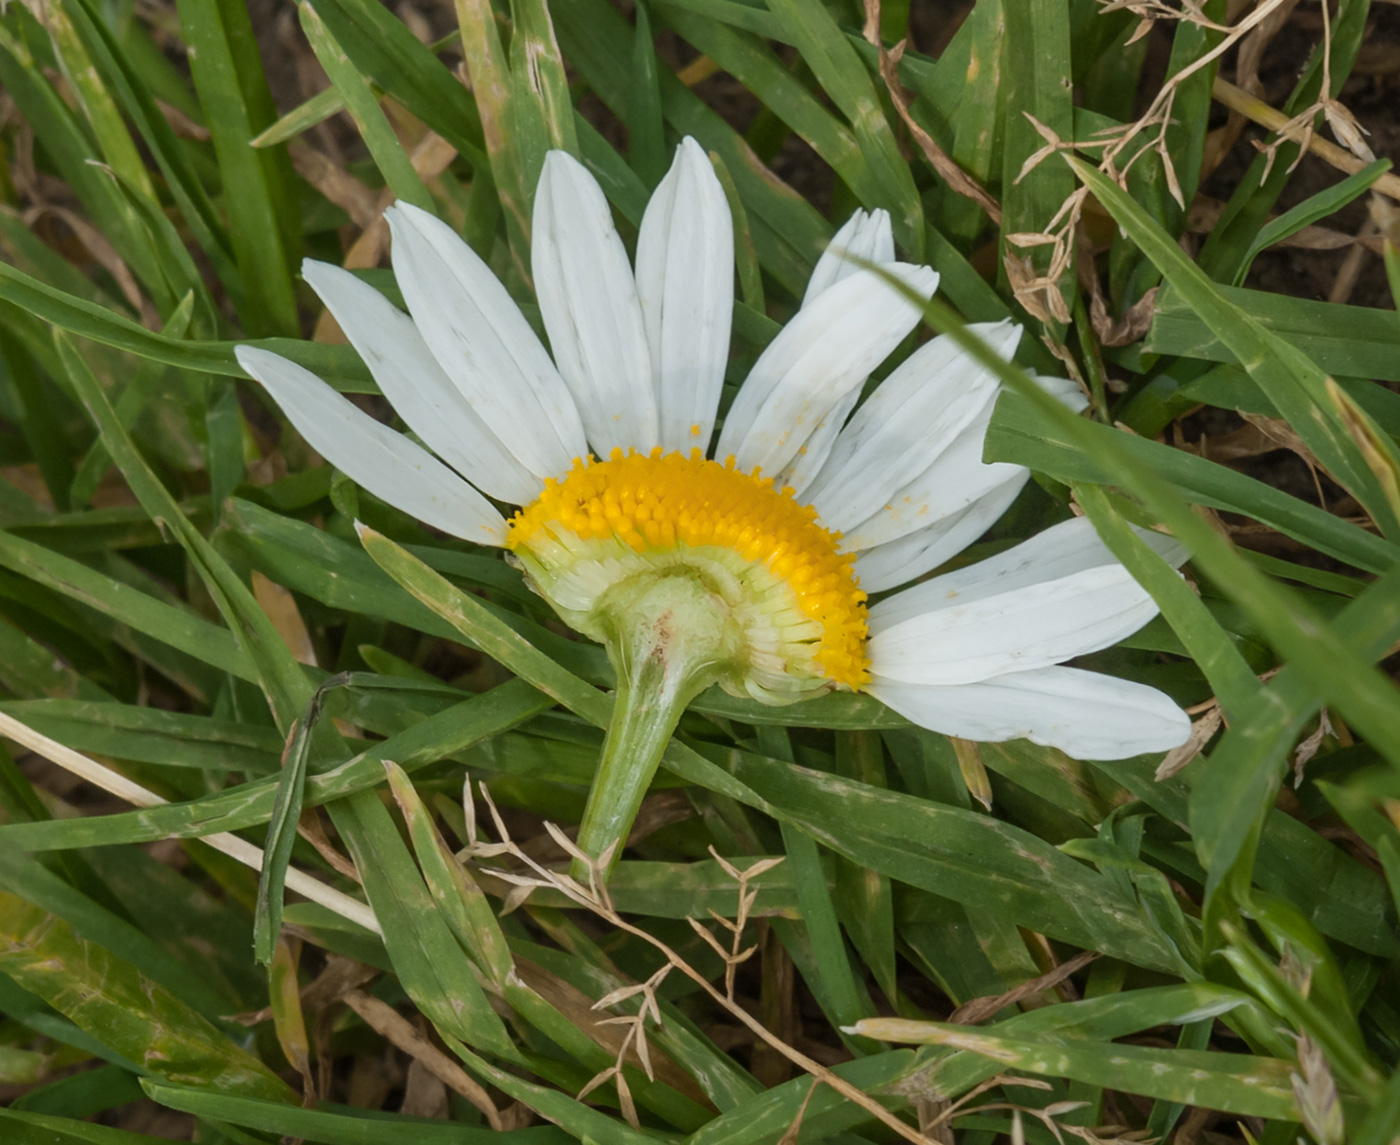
1085,714
415,385
900,561
1064,550
483,343
866,237
588,299
812,454
1065,389
825,352
969,636
685,284
957,478
912,416
373,455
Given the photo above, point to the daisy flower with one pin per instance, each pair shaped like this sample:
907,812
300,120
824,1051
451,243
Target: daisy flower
749,564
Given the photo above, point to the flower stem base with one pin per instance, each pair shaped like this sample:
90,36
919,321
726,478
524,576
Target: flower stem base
669,637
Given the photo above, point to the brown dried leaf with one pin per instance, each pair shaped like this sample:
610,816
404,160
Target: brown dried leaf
313,831
400,1032
595,1081
281,609
973,771
182,124
424,1095
1201,732
1348,131
1126,330
956,178
1308,748
980,1009
335,183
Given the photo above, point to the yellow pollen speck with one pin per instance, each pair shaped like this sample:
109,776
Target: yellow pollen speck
695,430
665,502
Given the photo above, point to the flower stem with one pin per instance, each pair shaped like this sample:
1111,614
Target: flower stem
669,638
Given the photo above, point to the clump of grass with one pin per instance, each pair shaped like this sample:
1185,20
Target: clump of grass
209,672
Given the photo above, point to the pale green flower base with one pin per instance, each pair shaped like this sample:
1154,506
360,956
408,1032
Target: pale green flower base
673,624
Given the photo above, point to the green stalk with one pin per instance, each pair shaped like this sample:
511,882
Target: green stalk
669,638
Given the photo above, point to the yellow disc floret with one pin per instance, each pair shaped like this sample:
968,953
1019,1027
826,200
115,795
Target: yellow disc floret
767,557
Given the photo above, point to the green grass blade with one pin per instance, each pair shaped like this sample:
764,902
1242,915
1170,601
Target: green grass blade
338,1128
24,1128
1039,75
787,230
74,155
386,53
539,82
180,629
451,731
338,365
150,735
1236,1083
1022,434
360,101
302,118
426,955
468,616
111,1000
1311,210
129,78
645,126
257,185
282,831
965,856
842,75
493,91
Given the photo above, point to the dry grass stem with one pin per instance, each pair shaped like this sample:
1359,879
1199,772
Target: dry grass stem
594,898
99,775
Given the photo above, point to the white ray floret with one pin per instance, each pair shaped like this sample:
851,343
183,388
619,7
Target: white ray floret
410,377
916,412
900,561
588,299
383,461
863,238
1088,715
825,352
483,343
685,283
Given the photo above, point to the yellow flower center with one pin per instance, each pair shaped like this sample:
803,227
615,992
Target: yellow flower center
766,555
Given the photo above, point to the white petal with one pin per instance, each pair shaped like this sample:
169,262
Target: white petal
905,424
812,454
1061,551
900,561
1066,390
483,343
588,299
1085,714
415,385
685,283
972,636
373,455
957,478
865,237
825,352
